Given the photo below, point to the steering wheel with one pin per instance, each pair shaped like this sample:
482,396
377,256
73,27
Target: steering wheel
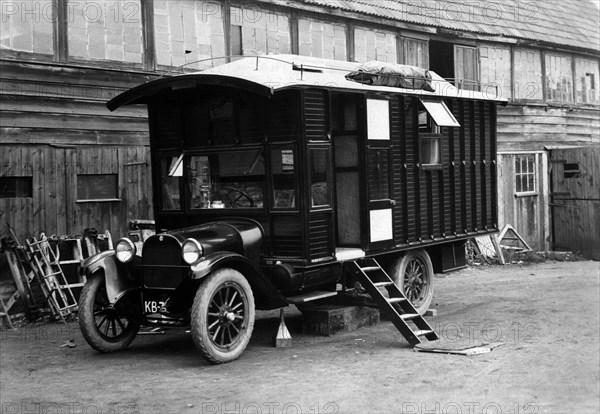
235,201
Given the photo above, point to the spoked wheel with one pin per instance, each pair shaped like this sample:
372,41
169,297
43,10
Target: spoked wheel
413,274
102,326
223,316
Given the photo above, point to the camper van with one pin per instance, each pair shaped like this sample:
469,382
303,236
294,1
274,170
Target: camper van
281,180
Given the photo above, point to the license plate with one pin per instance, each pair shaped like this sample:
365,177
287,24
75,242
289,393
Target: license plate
152,306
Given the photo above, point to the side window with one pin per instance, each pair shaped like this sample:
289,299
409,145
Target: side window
433,115
171,169
320,180
284,178
16,187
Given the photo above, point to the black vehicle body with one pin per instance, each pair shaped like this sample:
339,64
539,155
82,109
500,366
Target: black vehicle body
282,169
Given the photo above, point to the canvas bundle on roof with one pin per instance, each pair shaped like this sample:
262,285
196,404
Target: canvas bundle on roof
389,74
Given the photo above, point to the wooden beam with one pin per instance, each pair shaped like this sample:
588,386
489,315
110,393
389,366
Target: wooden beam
148,33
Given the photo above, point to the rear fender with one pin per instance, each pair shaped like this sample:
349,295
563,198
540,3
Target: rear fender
116,275
265,293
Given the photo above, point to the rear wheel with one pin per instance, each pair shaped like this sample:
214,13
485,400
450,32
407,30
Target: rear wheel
413,274
102,326
223,316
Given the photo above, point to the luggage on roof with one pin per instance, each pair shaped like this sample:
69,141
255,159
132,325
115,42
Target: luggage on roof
389,74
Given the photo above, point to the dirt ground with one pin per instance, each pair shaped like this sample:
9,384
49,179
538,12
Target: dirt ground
547,316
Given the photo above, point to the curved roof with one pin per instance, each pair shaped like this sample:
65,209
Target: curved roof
572,23
266,75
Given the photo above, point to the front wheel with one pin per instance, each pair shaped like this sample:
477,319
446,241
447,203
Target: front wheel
223,316
413,274
102,326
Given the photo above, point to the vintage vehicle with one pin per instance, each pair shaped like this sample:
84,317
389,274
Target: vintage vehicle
272,174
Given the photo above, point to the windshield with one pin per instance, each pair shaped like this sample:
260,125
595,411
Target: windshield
231,180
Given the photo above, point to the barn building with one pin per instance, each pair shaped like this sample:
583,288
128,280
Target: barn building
67,163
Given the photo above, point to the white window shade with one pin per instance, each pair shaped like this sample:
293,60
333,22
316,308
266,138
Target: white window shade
440,113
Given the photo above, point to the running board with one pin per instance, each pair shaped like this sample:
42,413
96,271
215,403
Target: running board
397,307
310,296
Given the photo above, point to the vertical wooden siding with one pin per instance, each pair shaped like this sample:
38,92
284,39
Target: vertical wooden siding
456,199
576,201
53,208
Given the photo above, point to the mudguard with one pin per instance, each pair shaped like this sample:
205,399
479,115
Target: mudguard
115,275
266,295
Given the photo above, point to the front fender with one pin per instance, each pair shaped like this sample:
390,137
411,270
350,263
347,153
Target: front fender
208,263
266,295
116,276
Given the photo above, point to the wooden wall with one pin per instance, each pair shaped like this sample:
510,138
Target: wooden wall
576,200
528,213
533,127
54,125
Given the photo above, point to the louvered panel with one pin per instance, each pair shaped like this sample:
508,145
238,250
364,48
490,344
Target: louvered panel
283,119
315,115
321,237
168,126
286,237
398,185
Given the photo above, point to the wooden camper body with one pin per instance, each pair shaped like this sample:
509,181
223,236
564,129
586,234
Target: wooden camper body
358,149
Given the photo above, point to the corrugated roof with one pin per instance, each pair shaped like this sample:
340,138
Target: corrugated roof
561,22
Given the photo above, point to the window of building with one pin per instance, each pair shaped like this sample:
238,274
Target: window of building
457,63
262,31
413,52
572,170
27,26
237,48
16,187
559,78
106,30
528,75
525,174
587,74
187,32
97,187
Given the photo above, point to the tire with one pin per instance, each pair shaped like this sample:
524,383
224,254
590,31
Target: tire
223,316
103,327
413,274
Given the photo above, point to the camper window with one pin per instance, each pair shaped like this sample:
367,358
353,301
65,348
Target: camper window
319,174
284,188
171,173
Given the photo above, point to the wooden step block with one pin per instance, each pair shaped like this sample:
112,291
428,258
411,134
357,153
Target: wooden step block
329,320
396,300
409,316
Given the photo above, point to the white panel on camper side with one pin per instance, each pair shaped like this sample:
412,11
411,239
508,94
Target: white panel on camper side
381,225
378,119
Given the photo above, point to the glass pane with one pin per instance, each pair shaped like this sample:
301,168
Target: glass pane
430,151
320,180
440,114
97,187
227,180
171,173
284,188
379,183
16,187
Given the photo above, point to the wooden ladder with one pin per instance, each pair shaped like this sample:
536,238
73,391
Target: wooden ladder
396,307
4,314
47,268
